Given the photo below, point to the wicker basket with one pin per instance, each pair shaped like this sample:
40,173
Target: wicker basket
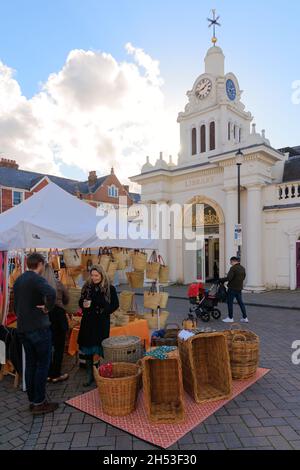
243,346
139,261
151,300
163,274
126,299
135,279
164,296
206,367
170,338
122,349
72,258
104,262
151,318
163,389
73,305
112,268
118,394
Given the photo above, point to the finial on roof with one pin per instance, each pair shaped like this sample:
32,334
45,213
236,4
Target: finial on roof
214,22
112,171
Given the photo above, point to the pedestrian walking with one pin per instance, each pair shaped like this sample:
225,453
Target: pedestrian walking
235,279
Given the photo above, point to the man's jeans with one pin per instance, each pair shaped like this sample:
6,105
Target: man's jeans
38,348
235,294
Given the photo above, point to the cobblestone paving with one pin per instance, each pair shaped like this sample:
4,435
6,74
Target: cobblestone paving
266,416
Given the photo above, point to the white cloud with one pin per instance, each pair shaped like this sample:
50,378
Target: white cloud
94,113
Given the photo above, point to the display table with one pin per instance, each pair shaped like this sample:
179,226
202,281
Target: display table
136,328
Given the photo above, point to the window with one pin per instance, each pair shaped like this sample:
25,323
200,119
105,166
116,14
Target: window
212,136
17,197
235,132
240,134
113,191
194,141
203,138
229,131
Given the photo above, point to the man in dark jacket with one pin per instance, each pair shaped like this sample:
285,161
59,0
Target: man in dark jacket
34,298
235,279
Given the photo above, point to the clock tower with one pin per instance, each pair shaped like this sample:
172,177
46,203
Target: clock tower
214,120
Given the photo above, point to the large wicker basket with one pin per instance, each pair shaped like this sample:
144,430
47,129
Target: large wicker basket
206,367
122,349
243,346
118,394
163,389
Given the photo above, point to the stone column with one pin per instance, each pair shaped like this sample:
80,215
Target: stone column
292,261
230,221
254,280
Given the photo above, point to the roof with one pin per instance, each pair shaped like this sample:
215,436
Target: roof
22,179
291,170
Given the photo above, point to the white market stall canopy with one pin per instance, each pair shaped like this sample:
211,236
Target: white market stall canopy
53,218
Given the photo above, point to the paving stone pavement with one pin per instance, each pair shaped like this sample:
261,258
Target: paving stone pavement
266,416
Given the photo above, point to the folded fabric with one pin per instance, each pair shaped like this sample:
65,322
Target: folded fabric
185,335
161,352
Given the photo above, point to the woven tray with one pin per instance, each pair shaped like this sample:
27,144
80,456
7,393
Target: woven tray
122,349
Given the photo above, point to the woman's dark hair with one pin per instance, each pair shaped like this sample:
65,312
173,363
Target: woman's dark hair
34,259
235,259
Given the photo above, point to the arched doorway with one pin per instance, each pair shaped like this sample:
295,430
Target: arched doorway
208,260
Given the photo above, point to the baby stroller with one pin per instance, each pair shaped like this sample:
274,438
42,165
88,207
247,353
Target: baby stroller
204,302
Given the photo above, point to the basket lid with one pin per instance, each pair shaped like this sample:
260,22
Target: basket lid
120,341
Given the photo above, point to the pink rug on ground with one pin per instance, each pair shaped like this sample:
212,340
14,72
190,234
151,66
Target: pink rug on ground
162,435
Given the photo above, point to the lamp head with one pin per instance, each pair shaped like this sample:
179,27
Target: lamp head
239,157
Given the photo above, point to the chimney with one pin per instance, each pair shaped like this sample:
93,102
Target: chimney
126,187
92,178
5,163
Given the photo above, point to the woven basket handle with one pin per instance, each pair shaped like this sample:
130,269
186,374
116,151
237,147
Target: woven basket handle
161,260
240,337
172,324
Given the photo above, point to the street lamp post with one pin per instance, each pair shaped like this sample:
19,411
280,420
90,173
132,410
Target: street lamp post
239,160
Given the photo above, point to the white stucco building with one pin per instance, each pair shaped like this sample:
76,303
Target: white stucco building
213,127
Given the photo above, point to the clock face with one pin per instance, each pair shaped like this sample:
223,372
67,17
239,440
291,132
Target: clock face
203,88
231,90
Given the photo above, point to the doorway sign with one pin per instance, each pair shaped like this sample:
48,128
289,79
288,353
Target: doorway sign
238,235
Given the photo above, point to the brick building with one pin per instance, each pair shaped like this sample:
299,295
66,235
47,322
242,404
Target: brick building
16,185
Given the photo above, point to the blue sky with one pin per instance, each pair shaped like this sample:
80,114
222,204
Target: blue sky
259,39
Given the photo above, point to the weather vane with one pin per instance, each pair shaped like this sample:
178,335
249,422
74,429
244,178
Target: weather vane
214,22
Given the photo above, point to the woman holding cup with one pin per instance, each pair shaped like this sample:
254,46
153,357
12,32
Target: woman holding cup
98,301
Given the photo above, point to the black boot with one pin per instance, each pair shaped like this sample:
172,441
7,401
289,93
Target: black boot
89,372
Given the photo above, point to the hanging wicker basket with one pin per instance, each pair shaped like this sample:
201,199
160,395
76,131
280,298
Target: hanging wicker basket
139,261
104,262
135,279
126,299
118,394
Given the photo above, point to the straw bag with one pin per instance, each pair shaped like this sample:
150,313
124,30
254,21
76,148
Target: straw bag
135,279
120,257
66,278
152,300
54,260
163,271
104,262
118,394
126,300
164,296
152,319
243,346
72,258
139,261
152,267
119,318
112,268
